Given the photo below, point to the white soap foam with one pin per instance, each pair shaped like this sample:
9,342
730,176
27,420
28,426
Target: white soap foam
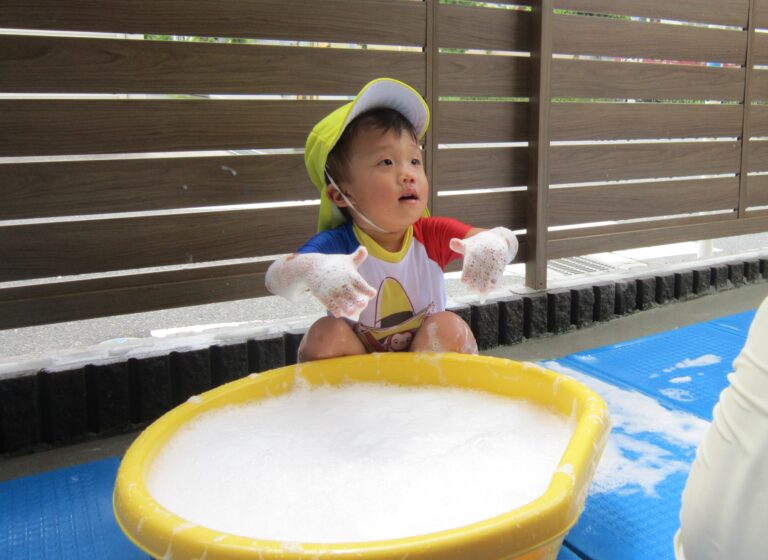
358,463
485,257
677,394
705,360
630,465
587,358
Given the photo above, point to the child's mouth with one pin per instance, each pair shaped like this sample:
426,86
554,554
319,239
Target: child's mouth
409,197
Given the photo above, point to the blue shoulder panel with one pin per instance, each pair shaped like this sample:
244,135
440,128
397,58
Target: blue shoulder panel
337,241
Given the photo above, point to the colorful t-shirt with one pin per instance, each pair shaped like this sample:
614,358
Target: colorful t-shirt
410,284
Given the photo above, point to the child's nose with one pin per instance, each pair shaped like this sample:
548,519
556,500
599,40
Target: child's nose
407,178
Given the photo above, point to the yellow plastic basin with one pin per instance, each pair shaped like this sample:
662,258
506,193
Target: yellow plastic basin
532,531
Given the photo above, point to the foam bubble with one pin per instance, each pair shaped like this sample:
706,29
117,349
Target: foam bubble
357,463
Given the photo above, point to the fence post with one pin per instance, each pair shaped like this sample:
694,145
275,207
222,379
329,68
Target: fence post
432,51
747,104
538,144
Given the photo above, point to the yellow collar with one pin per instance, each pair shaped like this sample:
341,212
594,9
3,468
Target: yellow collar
376,250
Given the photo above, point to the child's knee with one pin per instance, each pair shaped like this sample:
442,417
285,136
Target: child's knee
329,337
445,332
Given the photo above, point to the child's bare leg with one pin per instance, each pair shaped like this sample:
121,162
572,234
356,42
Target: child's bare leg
329,337
444,332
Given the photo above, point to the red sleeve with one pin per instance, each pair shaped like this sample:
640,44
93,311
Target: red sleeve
435,233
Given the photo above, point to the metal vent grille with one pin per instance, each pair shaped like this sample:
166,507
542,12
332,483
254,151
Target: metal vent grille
572,266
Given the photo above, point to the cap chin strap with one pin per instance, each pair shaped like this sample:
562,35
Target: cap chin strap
352,206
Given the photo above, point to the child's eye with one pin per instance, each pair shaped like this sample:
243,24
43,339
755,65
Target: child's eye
415,161
386,161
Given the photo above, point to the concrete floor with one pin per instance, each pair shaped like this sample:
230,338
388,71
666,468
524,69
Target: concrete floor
641,324
637,325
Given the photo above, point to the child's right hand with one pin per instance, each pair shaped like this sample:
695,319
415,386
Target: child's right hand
332,279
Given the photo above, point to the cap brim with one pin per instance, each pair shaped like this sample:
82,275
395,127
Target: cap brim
386,92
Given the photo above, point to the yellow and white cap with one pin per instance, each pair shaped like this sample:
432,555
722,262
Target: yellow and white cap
382,92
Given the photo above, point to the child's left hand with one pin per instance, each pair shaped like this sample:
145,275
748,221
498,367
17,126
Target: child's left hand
485,257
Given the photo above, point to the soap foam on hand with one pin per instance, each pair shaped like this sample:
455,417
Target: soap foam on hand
358,463
332,279
486,254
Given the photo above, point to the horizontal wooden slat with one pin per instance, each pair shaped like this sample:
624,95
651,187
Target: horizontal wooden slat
757,191
516,3
397,22
621,121
43,127
39,190
620,162
84,299
478,75
757,213
758,156
478,168
461,121
759,85
760,48
631,80
590,230
72,65
599,36
761,14
81,247
468,27
758,120
723,12
640,200
487,209
574,242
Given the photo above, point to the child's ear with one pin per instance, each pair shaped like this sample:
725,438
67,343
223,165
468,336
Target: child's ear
335,196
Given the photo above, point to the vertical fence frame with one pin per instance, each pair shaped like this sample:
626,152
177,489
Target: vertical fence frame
538,144
432,53
747,105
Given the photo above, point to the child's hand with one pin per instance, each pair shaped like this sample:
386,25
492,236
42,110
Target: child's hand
485,256
332,279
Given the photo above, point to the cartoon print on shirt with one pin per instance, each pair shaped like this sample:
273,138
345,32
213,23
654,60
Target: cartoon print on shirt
396,322
399,342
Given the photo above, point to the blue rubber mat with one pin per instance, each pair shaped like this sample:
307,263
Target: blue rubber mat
567,554
660,391
685,368
63,514
739,322
632,510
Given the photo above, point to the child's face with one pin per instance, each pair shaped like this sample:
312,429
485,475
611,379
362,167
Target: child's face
386,179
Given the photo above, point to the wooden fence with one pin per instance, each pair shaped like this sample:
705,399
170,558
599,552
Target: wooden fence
134,169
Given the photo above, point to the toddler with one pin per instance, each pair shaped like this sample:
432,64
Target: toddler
377,262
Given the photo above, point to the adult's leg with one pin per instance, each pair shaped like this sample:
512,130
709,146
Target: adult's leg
329,337
444,332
